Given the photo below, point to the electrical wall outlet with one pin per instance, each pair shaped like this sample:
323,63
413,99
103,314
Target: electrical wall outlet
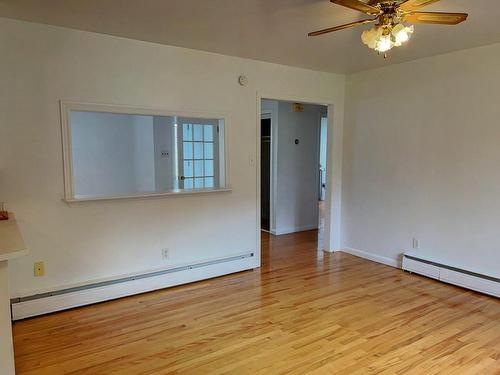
416,243
38,269
165,253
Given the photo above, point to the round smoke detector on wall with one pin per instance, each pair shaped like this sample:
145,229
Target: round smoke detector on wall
242,80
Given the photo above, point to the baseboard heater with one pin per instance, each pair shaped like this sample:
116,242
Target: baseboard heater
452,275
43,303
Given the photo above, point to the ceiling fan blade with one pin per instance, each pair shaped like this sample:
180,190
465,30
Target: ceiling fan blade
435,17
341,27
359,6
409,5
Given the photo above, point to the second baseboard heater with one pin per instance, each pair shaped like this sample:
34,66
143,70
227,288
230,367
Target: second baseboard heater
43,303
452,275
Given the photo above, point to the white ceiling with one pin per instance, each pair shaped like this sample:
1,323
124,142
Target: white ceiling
268,30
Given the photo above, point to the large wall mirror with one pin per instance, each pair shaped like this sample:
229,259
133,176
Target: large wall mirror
116,152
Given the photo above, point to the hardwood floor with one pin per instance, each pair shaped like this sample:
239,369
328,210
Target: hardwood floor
303,312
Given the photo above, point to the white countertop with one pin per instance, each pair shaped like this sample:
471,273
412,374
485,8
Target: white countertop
11,242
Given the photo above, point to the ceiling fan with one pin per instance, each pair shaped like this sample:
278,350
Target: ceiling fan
390,17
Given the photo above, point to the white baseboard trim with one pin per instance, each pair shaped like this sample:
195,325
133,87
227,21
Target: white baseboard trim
333,250
373,257
303,228
45,305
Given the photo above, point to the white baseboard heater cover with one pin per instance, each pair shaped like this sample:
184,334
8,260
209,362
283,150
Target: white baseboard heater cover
451,275
43,303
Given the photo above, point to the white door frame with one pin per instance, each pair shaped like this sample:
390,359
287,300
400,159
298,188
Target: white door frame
332,231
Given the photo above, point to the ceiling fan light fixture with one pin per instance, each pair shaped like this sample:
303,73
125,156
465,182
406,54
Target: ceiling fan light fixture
390,16
384,38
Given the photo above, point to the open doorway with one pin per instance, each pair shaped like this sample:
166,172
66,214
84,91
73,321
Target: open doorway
293,173
265,172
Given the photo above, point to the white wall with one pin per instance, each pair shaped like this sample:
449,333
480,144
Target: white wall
42,64
297,173
422,159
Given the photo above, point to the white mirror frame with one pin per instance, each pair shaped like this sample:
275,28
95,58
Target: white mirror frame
68,106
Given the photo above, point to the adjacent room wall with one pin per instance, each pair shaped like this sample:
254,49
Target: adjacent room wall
84,242
323,157
164,141
144,154
421,160
113,154
105,140
297,174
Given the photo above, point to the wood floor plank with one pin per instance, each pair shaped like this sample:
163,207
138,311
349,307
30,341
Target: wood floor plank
302,312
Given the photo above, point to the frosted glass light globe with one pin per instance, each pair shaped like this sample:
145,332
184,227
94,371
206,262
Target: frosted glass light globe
401,34
372,36
384,43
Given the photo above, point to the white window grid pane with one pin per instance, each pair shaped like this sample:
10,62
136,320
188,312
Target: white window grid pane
203,178
188,183
187,132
